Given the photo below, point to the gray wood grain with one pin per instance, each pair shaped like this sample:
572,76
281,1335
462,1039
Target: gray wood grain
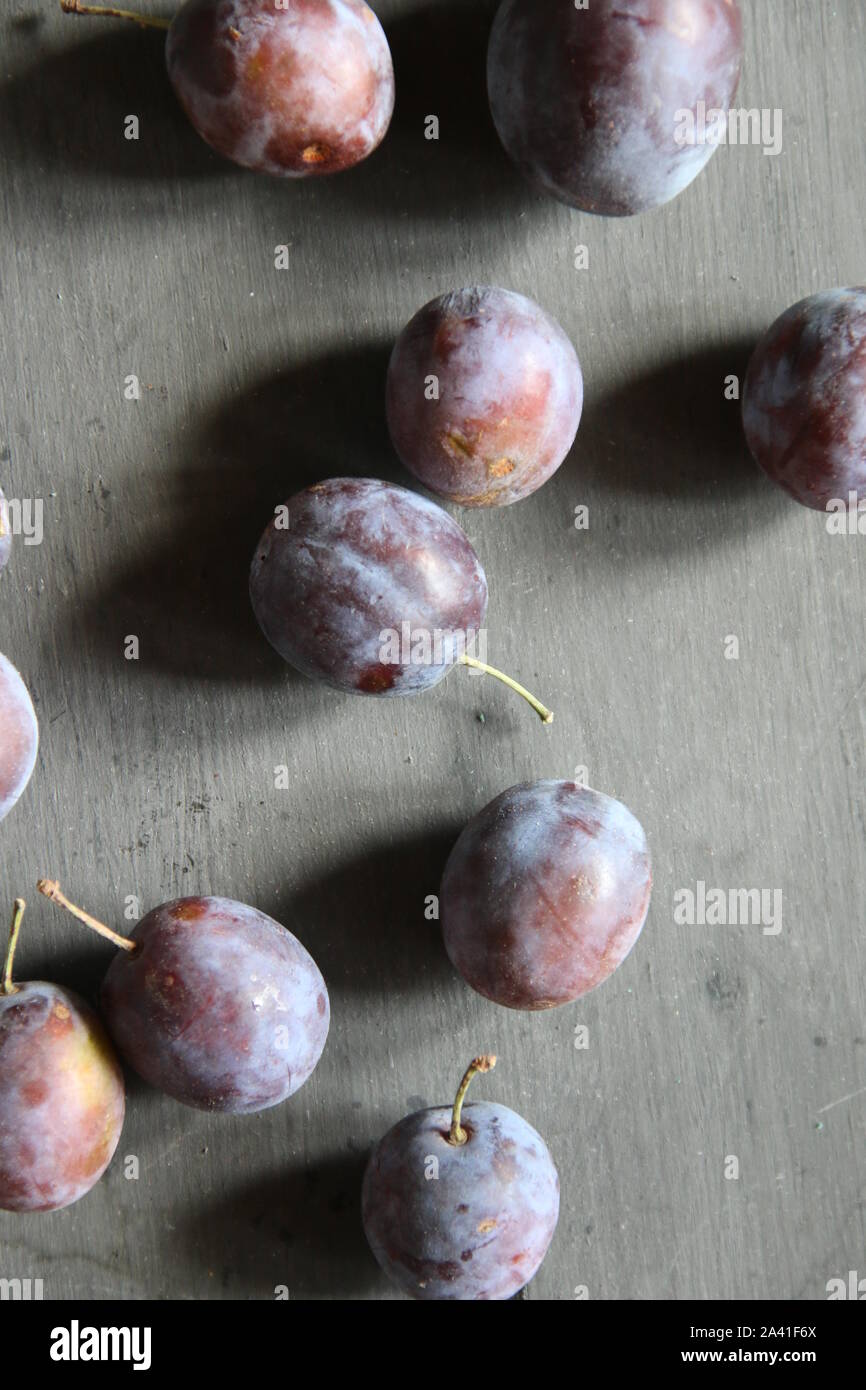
156,777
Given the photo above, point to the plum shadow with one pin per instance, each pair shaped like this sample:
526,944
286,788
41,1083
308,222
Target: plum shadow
65,112
186,590
375,901
292,1228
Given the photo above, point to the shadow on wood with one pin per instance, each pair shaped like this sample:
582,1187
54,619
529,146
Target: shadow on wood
66,114
364,921
298,1228
185,593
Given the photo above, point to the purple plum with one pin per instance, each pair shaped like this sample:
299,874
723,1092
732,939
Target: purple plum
461,1204
302,88
372,589
213,1002
353,561
484,396
600,105
61,1093
544,894
804,400
19,736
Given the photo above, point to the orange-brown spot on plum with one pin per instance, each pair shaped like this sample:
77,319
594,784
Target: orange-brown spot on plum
320,1005
477,499
34,1092
375,680
59,1023
456,445
501,468
486,1226
316,154
516,1259
234,33
190,910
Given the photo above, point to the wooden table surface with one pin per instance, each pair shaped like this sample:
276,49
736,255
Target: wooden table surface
156,777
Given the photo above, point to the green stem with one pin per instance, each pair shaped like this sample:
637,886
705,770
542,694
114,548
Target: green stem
544,714
49,889
7,986
146,21
487,1062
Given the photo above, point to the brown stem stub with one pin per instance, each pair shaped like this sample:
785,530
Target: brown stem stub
49,888
145,21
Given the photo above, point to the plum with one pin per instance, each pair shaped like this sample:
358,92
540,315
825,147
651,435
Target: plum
5,532
304,89
371,589
508,394
213,1002
61,1093
804,400
19,736
544,894
461,1205
589,102
288,87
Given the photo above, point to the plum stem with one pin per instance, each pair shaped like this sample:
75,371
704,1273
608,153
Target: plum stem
7,986
49,889
487,1062
146,21
544,714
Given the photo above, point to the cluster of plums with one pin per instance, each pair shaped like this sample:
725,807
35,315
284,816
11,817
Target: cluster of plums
548,888
587,101
223,1009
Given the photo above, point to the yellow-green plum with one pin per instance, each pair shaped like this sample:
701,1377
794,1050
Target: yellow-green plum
61,1094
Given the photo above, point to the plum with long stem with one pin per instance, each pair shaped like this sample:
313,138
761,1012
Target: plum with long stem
298,89
461,1202
372,589
212,1002
61,1092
